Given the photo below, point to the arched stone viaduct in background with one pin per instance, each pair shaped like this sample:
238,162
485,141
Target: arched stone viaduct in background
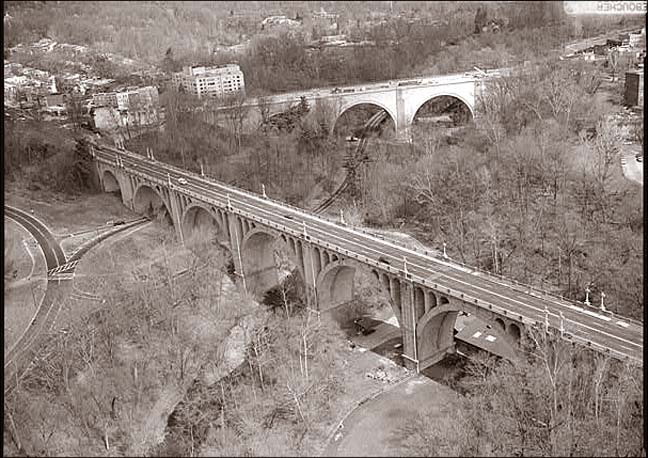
400,99
426,313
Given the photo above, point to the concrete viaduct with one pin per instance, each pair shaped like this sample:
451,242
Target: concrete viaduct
426,292
401,99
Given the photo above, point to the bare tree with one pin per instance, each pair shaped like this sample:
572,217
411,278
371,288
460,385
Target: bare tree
236,113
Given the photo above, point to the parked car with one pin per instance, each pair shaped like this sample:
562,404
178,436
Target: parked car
182,181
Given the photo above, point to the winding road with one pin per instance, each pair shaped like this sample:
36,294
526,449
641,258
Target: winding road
59,286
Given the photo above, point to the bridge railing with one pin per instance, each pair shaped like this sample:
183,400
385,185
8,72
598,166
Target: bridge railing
514,284
567,334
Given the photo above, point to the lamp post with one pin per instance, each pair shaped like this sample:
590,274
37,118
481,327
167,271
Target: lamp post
587,291
202,170
546,319
342,217
169,178
263,191
405,265
562,324
445,255
229,203
603,309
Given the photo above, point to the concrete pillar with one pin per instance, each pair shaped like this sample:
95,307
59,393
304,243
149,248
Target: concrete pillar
175,205
394,289
408,325
403,131
310,262
235,240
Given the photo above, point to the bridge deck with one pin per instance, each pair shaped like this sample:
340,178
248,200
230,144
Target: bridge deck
605,332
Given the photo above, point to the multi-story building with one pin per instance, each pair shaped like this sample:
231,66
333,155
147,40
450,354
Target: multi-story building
134,106
128,99
211,81
105,99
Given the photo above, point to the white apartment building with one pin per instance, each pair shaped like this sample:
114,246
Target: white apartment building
211,81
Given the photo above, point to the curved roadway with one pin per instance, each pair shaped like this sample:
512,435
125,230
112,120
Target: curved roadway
21,354
59,287
620,337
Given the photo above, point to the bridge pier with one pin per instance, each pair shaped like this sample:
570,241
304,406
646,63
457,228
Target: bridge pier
408,326
311,268
235,239
176,214
436,357
404,134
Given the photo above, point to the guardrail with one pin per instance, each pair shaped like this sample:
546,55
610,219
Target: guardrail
502,280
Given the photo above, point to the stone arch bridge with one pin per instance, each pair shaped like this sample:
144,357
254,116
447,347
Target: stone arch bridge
401,99
426,292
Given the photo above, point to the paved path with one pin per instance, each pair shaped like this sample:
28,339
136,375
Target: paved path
59,286
376,428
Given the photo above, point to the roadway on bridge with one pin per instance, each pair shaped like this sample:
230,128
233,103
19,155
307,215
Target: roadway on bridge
623,337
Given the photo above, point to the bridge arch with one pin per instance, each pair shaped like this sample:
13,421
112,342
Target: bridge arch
356,103
261,258
470,109
335,285
148,201
109,182
435,330
198,219
514,332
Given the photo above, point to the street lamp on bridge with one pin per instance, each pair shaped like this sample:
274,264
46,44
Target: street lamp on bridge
587,291
445,255
603,309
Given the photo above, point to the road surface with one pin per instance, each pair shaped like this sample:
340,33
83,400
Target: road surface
59,286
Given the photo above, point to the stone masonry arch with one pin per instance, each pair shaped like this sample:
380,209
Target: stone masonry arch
459,97
148,201
354,103
335,285
198,217
257,256
109,182
259,263
435,330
